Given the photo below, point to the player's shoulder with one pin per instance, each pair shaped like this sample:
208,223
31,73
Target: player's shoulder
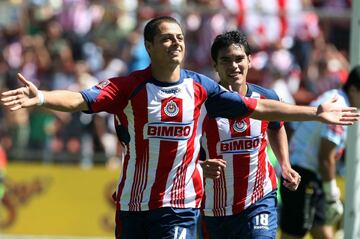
196,76
133,79
261,91
202,81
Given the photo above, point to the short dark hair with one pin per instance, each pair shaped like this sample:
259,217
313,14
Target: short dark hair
353,79
226,39
152,27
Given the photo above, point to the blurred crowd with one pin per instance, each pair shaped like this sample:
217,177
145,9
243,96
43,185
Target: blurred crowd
300,49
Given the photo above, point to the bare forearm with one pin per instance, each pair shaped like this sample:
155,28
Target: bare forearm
327,160
62,100
279,145
276,110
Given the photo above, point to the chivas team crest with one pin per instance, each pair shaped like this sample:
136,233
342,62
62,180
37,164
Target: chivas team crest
171,109
240,126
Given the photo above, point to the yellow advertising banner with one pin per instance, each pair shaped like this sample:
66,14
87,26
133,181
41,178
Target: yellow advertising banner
58,200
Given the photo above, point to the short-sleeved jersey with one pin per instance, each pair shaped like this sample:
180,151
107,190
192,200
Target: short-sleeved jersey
305,141
161,125
242,143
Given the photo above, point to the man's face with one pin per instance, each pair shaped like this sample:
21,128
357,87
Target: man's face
232,65
168,45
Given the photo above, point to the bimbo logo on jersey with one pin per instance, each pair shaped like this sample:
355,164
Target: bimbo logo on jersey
171,109
241,145
240,126
168,131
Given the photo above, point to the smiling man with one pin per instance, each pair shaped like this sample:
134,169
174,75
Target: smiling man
240,190
159,114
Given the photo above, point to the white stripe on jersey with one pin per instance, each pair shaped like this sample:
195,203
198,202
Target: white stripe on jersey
179,182
259,181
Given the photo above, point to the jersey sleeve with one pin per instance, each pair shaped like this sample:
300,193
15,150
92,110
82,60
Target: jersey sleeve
106,96
271,95
224,103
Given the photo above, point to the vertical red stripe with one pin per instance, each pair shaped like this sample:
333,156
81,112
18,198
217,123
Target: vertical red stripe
241,169
282,18
123,179
272,175
199,98
219,185
241,13
167,155
260,174
139,105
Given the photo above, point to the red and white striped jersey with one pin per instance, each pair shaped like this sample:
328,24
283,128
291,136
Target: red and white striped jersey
248,175
161,125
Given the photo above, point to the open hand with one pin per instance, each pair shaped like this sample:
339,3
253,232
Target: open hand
23,97
331,113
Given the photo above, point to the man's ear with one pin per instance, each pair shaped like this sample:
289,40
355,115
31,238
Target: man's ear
214,65
250,59
147,46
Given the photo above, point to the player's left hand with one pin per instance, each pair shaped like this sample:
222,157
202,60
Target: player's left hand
291,178
331,113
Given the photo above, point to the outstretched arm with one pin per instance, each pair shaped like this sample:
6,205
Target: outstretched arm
279,144
329,112
29,96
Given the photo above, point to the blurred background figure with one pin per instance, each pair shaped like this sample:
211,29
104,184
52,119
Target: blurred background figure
315,149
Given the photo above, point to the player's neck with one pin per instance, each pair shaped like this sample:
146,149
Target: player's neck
166,74
241,89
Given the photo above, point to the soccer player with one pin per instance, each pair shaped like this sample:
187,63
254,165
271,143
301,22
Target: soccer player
160,112
314,149
240,193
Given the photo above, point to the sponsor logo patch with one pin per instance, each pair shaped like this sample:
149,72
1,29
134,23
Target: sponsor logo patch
171,131
241,145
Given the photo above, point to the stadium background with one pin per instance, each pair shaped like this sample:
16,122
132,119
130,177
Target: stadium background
61,168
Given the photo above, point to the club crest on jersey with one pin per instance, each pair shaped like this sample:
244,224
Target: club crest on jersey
103,84
240,126
171,131
171,109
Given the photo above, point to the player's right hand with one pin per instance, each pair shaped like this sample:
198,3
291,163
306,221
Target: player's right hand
213,168
23,97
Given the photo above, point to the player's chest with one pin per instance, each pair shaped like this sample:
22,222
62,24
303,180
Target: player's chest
173,104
